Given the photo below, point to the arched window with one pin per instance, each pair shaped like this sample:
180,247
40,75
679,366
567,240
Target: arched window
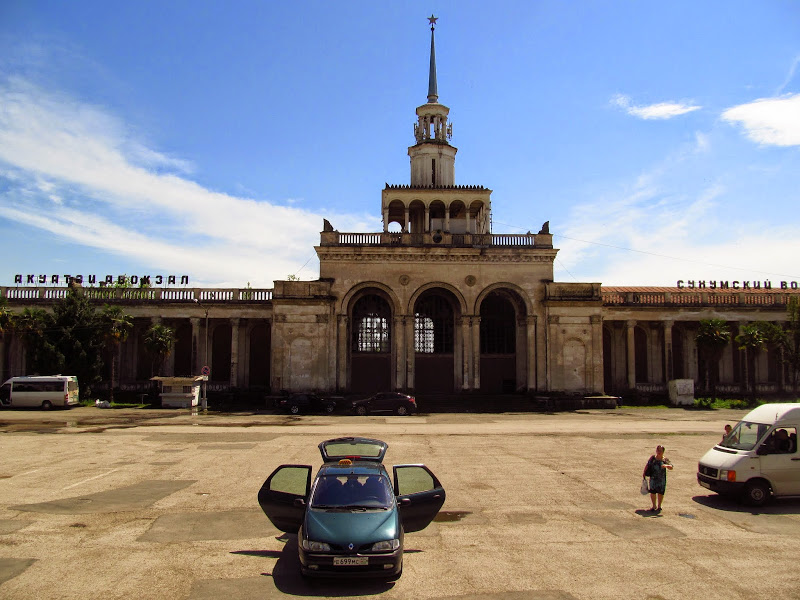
371,325
433,326
498,325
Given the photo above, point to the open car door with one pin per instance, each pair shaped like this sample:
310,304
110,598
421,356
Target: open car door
284,496
419,496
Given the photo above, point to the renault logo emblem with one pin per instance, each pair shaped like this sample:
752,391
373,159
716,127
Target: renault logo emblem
350,546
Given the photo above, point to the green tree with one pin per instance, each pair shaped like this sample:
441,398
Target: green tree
76,335
158,341
753,338
712,338
34,326
6,317
115,326
6,324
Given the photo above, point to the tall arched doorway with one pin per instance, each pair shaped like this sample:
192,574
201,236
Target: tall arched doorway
221,353
183,349
259,359
498,344
371,345
434,342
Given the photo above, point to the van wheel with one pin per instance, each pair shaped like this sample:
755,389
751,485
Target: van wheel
756,493
47,405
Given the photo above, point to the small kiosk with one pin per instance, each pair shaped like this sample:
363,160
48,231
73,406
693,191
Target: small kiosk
179,392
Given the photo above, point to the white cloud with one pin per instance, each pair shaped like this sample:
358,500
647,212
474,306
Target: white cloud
769,121
75,171
669,224
662,110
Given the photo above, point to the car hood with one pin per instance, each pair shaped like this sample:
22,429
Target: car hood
344,527
725,459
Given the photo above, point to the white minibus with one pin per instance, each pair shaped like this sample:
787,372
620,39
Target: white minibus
758,459
45,391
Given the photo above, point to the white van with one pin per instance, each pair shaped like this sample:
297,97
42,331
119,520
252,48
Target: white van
758,458
44,391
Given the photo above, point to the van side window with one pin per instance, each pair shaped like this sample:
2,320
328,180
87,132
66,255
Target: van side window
39,386
783,441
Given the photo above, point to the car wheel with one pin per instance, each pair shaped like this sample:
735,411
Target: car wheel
47,405
294,409
401,410
756,493
361,410
329,408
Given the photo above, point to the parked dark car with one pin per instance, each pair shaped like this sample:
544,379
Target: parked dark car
306,403
352,520
391,402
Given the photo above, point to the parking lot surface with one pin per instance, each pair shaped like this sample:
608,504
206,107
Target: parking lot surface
162,504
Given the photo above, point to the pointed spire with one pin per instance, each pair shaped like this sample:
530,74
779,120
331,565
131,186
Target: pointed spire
433,94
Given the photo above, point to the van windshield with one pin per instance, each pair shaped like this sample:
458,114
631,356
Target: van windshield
745,435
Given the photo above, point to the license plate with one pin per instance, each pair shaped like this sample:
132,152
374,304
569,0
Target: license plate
350,561
705,485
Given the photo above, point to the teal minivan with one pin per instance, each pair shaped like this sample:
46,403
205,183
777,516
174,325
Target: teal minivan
351,521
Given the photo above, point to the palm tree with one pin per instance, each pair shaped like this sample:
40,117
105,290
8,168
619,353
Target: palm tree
158,340
115,327
712,338
33,324
753,338
6,324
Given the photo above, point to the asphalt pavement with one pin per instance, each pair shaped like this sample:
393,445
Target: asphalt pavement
158,503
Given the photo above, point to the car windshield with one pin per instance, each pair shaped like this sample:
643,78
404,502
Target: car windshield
745,435
352,492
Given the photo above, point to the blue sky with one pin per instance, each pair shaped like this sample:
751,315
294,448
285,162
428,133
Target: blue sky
661,140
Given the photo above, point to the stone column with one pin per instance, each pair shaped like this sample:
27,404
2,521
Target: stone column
476,352
427,225
598,382
467,211
629,330
530,324
196,355
467,352
385,219
399,351
235,352
343,352
669,367
447,220
406,224
410,352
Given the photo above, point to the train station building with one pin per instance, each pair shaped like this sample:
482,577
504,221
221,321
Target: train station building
435,303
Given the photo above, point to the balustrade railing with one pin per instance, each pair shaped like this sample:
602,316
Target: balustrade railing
694,298
439,238
126,295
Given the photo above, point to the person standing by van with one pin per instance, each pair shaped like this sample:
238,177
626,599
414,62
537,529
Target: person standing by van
656,470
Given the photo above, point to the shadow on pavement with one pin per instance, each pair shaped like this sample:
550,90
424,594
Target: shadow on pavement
782,506
288,580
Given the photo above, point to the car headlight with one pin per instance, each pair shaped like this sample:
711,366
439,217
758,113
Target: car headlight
727,475
385,546
312,546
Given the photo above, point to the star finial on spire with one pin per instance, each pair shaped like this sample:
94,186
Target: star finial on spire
432,20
